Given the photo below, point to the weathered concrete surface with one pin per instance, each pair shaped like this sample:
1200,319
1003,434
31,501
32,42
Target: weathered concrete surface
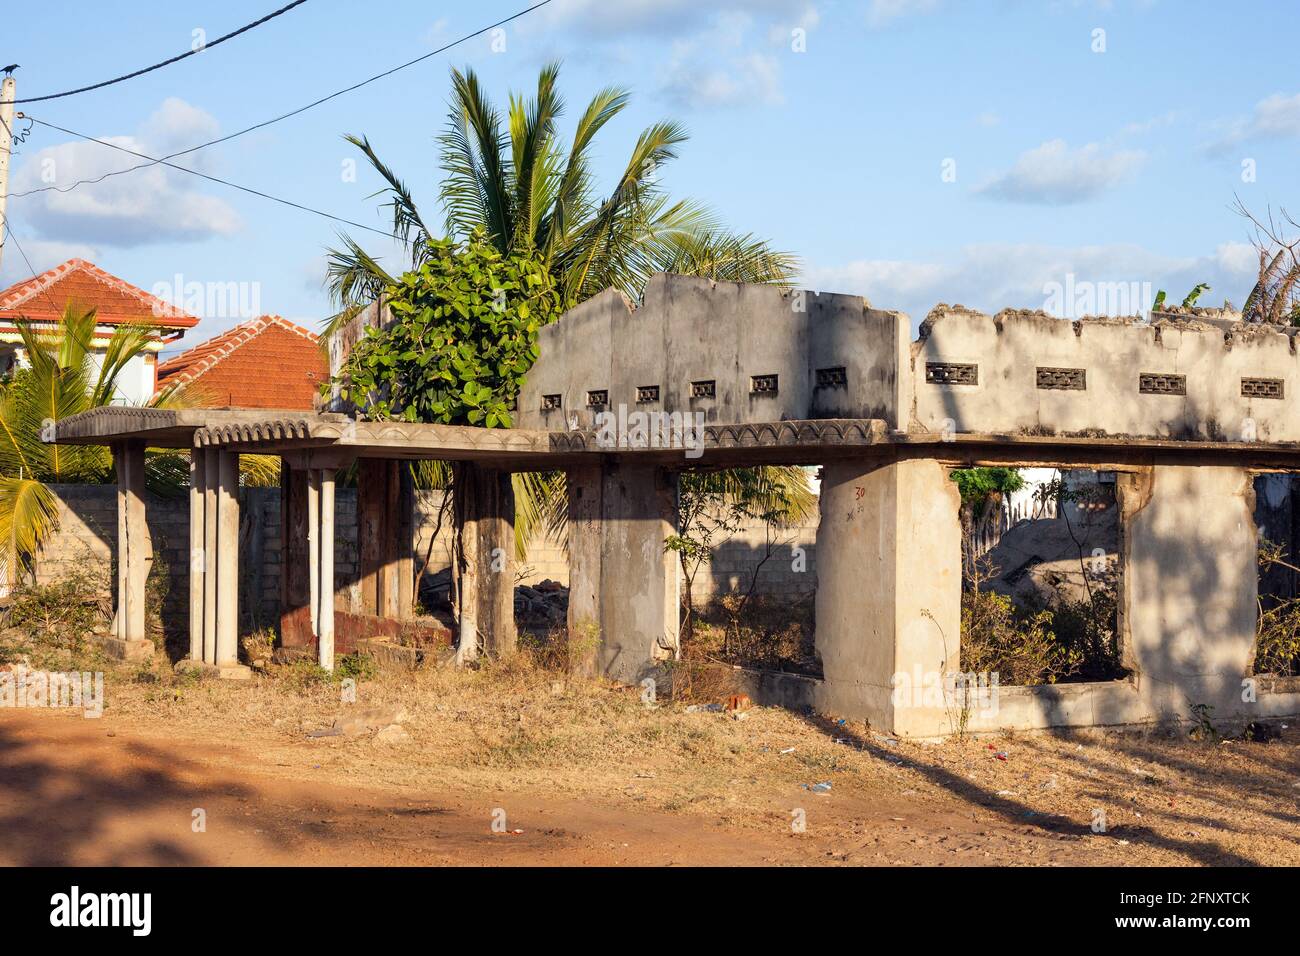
1189,588
624,598
888,593
694,330
485,511
1010,348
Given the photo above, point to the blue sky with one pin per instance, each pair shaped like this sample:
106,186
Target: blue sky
915,151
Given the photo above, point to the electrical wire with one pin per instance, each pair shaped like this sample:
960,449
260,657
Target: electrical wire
284,116
216,179
158,66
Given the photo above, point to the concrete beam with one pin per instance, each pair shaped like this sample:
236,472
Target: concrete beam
624,599
888,606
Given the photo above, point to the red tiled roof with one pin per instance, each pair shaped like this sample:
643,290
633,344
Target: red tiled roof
42,298
266,363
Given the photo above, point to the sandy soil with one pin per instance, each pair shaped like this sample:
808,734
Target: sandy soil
592,777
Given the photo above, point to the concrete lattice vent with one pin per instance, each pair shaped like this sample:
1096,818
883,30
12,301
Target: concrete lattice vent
1156,383
1063,378
832,377
764,384
951,373
1263,388
707,389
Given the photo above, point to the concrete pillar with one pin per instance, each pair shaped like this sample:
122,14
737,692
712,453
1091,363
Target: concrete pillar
131,638
1188,589
325,586
313,546
405,561
888,605
624,598
381,544
198,553
227,565
296,600
485,510
210,544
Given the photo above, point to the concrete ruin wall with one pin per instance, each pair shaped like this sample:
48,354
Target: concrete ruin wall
767,354
773,355
1029,373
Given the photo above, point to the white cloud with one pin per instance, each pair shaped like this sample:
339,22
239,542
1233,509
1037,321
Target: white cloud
883,12
993,276
1274,117
1053,174
43,255
153,204
714,67
988,119
662,17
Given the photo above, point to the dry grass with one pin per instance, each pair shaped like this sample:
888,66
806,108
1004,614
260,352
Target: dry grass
518,727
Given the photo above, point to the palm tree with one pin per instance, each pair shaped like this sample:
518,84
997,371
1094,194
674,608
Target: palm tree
509,176
63,375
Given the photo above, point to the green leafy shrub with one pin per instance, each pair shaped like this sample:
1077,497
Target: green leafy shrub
463,336
357,666
51,623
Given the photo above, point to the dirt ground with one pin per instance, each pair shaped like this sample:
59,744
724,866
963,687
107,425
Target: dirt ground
591,775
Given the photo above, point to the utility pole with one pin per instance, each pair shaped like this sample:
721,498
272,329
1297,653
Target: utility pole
8,93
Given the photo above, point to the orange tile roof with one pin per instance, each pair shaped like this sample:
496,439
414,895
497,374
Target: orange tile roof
43,298
266,363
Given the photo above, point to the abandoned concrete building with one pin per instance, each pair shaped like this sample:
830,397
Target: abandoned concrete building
1182,415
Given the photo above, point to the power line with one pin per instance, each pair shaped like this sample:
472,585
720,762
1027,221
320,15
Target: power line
158,66
215,179
283,116
46,292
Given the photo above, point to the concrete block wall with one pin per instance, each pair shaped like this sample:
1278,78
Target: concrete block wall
752,330
86,541
966,371
1225,375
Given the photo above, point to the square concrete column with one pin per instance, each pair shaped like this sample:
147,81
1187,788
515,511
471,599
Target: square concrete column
1188,589
131,639
210,547
227,565
888,605
624,588
383,537
313,545
198,550
325,565
485,513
